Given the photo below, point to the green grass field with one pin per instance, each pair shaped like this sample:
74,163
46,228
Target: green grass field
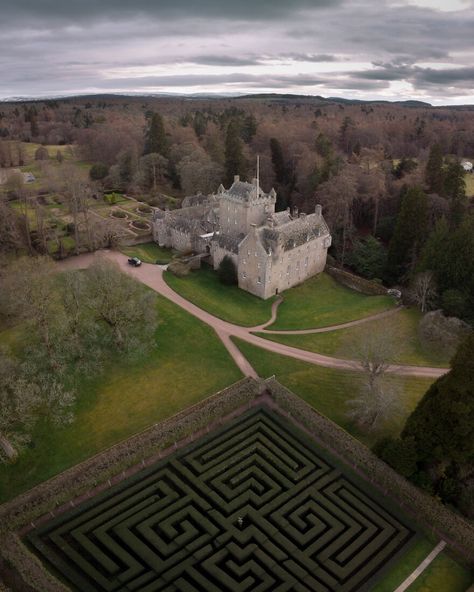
328,390
204,289
443,575
402,327
126,398
148,253
321,301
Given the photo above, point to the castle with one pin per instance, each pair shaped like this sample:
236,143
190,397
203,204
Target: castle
272,251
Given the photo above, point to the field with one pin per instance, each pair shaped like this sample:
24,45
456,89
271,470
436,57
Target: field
402,328
204,289
126,397
257,505
148,253
318,302
328,390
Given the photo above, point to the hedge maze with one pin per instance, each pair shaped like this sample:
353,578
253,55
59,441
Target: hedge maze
256,506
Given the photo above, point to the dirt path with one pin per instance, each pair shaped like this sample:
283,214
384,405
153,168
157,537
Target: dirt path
152,276
329,328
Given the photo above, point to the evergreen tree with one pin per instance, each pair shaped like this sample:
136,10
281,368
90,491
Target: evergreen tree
368,258
455,191
442,425
434,176
278,161
234,159
249,128
409,234
227,272
156,140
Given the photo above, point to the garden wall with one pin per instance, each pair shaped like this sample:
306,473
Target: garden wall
433,517
355,282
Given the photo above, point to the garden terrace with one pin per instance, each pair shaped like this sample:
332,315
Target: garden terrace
257,505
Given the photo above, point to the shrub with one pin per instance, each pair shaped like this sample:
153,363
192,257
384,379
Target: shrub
140,224
42,153
98,171
119,214
227,272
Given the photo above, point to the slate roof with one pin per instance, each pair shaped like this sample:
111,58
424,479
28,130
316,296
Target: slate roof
294,233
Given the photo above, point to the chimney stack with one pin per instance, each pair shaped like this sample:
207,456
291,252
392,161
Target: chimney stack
318,211
236,178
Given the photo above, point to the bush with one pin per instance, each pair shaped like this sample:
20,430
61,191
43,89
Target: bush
140,224
455,303
42,153
98,171
440,333
368,258
179,269
399,454
227,272
119,214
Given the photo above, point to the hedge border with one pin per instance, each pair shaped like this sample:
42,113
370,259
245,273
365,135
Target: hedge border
432,515
108,467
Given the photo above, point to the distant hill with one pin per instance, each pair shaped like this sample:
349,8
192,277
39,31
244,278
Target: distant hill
331,100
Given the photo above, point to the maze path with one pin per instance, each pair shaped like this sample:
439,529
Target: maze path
307,524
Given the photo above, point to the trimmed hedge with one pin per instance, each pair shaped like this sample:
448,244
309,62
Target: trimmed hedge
99,469
457,531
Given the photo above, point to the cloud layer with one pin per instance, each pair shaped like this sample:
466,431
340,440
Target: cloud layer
392,49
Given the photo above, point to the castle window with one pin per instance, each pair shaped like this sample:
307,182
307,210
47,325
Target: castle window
306,262
245,261
244,275
259,280
288,270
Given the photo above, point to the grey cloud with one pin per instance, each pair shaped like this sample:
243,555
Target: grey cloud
223,60
165,9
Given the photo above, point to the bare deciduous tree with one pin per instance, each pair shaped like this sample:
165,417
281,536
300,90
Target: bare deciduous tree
122,305
376,402
423,290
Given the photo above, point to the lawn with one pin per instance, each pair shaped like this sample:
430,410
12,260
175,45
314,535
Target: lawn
318,302
148,253
321,301
402,327
127,397
230,303
328,389
443,575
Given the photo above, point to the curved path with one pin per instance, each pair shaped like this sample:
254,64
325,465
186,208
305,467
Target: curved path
152,276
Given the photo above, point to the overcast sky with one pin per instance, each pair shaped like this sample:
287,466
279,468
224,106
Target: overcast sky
387,49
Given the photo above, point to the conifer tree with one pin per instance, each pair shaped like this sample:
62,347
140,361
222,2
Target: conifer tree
409,234
455,191
434,176
442,425
278,161
234,159
156,140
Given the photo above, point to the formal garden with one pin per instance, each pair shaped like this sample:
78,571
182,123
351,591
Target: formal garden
255,505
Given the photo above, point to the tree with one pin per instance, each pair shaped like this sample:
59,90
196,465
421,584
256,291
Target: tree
234,158
152,168
423,290
377,401
156,140
455,191
42,153
227,271
198,173
434,176
248,128
442,424
125,310
278,162
409,233
372,352
399,454
19,402
369,258
404,166
98,171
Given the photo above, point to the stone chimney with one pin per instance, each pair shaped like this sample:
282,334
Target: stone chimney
295,212
236,178
318,210
302,215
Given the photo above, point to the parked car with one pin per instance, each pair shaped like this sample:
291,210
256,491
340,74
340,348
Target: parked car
135,261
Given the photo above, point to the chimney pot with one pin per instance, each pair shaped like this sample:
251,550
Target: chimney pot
236,178
318,210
